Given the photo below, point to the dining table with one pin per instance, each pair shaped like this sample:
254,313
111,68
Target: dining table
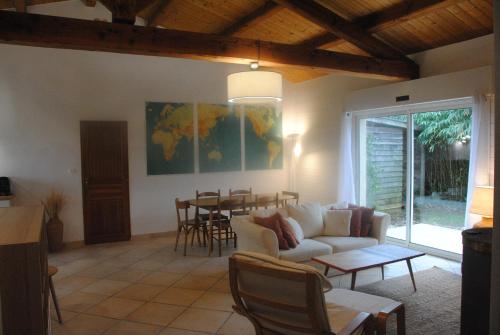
211,204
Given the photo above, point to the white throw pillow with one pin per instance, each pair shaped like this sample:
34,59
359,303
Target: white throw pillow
337,205
297,230
338,222
309,217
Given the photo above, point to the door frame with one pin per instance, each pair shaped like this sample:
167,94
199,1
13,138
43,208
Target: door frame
128,235
408,110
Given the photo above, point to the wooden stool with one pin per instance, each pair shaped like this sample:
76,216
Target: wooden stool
52,270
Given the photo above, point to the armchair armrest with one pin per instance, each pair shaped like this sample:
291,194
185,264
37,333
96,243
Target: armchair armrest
252,237
380,224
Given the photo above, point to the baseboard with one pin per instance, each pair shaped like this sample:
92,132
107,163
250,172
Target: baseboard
80,244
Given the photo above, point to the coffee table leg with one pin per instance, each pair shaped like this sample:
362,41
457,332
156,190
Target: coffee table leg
326,270
353,280
408,262
383,274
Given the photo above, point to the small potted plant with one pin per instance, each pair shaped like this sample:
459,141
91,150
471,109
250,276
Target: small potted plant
54,203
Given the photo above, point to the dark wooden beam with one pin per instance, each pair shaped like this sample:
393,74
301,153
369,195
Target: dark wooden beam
20,5
162,5
339,26
258,15
125,11
66,33
396,14
89,3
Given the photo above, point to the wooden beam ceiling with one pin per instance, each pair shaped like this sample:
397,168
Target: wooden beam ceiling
258,15
339,26
162,5
396,14
125,11
68,33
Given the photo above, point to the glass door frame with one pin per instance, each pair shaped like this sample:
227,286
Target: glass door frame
407,110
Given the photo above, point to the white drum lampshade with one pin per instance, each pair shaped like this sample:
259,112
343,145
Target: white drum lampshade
252,87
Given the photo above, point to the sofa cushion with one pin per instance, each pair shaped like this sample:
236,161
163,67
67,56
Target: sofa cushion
288,232
273,223
340,244
297,229
309,216
337,205
358,301
366,219
306,250
356,222
268,212
337,223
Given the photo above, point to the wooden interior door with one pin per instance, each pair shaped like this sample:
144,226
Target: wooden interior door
106,209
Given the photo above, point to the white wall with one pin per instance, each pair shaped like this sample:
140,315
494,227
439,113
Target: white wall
44,93
315,107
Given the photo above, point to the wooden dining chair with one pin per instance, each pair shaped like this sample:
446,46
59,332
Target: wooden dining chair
291,196
221,230
266,201
51,271
203,217
240,194
186,225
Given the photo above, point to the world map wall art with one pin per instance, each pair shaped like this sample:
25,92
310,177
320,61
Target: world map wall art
170,138
170,132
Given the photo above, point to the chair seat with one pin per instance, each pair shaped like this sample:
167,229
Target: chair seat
340,316
359,301
206,217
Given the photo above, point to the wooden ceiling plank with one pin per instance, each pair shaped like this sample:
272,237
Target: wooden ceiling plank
20,5
396,14
152,21
342,28
68,33
258,15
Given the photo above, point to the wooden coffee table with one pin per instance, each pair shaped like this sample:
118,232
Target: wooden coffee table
367,258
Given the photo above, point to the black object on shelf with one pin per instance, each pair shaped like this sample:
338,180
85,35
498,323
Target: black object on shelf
476,279
5,186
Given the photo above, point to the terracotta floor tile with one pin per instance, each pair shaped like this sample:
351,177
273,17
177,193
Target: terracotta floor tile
70,284
178,296
128,275
99,271
191,320
141,292
237,324
175,331
221,286
65,315
216,301
161,278
147,265
116,308
133,328
196,282
156,314
105,287
85,325
80,301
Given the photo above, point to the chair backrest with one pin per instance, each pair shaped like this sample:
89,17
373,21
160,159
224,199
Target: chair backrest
181,206
207,194
234,203
293,195
240,192
278,297
266,201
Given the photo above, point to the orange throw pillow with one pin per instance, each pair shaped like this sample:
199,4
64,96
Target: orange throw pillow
273,223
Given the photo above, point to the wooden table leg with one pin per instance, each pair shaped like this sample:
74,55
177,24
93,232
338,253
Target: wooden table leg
353,280
326,270
408,262
210,234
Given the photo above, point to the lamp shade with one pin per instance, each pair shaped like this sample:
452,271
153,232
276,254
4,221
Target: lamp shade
482,201
254,87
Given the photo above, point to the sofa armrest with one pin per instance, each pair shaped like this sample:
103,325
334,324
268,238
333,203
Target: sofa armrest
252,237
380,224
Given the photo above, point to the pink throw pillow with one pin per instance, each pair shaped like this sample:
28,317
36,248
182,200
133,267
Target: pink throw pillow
273,223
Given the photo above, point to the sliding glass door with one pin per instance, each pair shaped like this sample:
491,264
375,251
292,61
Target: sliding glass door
413,164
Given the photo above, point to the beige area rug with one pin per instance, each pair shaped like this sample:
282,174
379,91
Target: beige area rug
433,309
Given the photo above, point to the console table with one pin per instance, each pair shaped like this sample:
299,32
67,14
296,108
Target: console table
24,285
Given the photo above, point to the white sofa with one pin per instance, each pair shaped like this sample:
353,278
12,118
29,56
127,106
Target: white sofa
253,237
